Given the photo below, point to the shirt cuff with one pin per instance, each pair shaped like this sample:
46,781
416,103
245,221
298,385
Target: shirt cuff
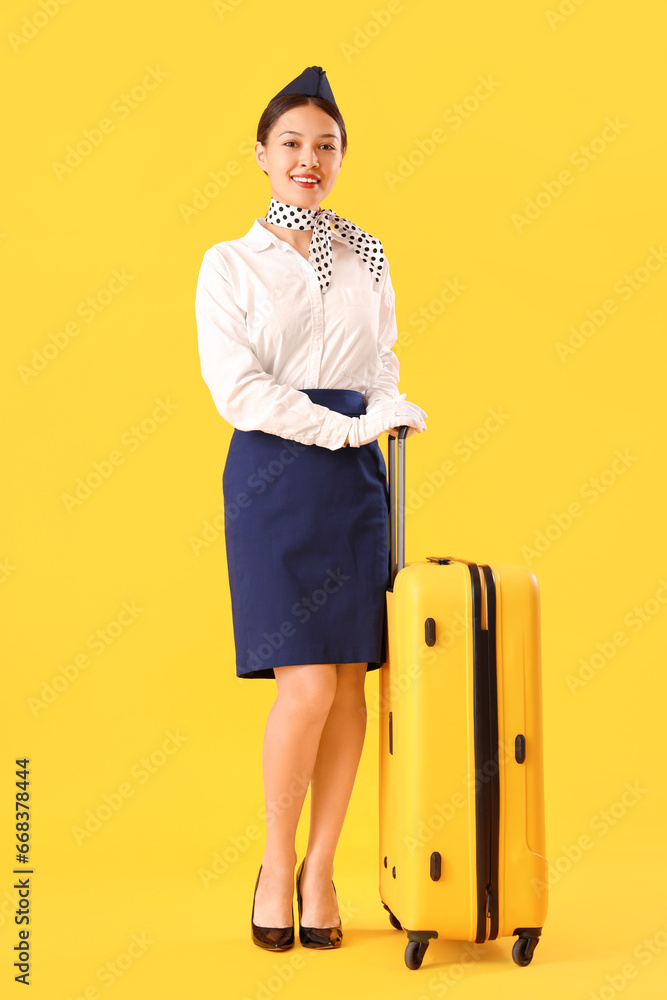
374,397
335,428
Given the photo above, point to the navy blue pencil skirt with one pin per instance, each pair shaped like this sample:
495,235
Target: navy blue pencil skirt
307,537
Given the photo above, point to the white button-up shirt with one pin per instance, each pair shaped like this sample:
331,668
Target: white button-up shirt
265,330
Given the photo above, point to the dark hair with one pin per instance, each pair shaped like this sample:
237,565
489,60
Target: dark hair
279,105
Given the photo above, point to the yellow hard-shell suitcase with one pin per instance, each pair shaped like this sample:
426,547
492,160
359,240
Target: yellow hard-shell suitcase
461,794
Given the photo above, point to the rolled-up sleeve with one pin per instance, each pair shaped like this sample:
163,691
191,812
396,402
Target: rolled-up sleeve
385,383
245,395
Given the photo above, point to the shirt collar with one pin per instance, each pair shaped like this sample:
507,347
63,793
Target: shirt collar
259,238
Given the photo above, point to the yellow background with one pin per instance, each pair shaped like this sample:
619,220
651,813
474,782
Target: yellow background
398,70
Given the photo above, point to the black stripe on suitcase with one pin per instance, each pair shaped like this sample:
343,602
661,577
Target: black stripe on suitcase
493,746
487,785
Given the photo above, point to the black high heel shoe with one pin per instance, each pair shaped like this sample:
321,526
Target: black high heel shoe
316,937
272,938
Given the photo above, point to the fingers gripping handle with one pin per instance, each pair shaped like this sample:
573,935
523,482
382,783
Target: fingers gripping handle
396,502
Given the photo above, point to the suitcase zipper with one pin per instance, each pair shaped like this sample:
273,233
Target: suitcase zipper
494,783
486,748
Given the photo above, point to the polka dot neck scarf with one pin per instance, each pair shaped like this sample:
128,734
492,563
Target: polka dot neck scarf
322,221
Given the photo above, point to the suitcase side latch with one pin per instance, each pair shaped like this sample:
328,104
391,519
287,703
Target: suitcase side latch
520,749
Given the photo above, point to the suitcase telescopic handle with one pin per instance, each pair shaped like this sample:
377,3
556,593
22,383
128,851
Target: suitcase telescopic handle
396,502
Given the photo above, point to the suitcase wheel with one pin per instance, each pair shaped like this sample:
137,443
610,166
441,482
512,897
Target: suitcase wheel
394,921
522,950
414,953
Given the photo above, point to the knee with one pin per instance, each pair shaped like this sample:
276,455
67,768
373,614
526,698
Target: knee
350,687
313,694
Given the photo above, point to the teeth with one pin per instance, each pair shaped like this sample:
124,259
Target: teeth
304,180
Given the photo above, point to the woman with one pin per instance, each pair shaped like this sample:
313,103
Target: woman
296,323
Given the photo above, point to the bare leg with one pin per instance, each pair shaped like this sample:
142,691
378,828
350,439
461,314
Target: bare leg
293,730
332,781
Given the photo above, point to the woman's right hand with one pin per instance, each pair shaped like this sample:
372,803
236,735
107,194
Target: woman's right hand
386,417
410,414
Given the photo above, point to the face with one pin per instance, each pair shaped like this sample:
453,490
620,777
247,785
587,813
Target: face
303,141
